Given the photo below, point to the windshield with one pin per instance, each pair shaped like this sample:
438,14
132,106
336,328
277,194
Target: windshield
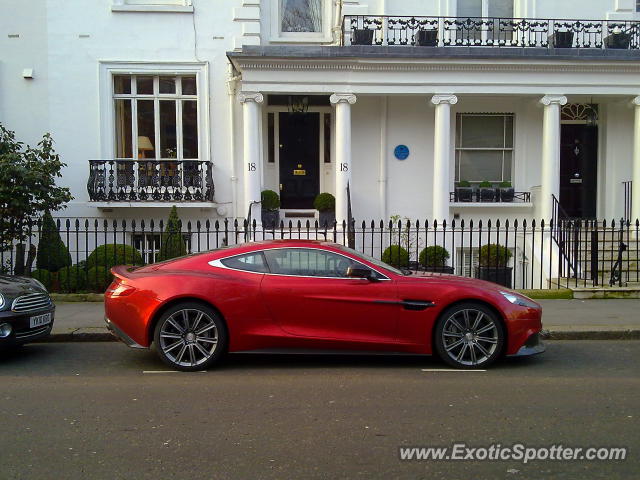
375,261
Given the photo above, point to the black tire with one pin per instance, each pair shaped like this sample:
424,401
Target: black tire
191,343
470,340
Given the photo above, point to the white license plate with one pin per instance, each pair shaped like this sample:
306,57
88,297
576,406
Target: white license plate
40,320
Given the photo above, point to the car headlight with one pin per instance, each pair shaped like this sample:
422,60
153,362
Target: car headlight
39,283
521,300
1,301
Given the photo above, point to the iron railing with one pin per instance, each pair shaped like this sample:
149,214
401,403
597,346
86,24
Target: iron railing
150,181
489,32
496,196
531,261
627,187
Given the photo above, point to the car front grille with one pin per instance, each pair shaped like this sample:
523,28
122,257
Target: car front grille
31,302
32,332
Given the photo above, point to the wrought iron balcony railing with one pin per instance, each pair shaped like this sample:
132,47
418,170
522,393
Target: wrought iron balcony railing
490,32
147,180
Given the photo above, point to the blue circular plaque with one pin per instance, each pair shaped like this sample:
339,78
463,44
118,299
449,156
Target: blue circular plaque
401,152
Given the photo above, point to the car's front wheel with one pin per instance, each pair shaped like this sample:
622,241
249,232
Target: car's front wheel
190,336
469,335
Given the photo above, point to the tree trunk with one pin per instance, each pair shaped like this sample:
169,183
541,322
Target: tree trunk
18,264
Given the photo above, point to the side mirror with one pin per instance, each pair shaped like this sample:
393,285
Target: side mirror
357,272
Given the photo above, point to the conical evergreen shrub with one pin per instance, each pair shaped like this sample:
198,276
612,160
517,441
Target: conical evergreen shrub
52,252
172,243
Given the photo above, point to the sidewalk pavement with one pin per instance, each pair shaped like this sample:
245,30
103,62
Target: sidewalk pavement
563,319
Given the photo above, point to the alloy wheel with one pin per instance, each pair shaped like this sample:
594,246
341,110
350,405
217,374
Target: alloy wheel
188,337
470,337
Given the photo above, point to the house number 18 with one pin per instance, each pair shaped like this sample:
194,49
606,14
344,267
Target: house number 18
251,167
344,167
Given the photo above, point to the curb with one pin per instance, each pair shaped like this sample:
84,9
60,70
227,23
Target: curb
103,335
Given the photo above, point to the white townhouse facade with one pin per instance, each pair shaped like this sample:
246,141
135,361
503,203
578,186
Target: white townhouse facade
203,104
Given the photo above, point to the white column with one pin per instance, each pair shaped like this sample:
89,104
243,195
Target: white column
342,102
550,181
251,113
442,155
635,175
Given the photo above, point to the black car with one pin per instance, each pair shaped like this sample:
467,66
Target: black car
26,311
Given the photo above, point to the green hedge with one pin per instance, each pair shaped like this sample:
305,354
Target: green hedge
98,279
114,254
396,256
433,256
43,276
72,279
494,255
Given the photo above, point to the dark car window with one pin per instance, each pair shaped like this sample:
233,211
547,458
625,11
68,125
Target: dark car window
250,262
309,262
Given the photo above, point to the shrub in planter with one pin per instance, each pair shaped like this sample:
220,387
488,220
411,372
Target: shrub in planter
434,259
43,276
172,243
52,252
619,40
427,38
270,203
562,39
487,192
113,254
325,203
464,192
506,192
492,264
72,279
396,256
98,279
361,36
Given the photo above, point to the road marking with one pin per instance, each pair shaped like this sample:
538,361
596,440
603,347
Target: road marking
449,370
171,371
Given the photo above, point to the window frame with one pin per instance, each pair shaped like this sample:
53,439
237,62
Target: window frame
458,141
173,6
108,70
277,35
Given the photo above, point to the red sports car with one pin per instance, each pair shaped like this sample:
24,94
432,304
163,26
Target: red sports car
313,295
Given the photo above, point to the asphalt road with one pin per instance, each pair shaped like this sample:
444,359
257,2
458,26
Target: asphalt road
95,410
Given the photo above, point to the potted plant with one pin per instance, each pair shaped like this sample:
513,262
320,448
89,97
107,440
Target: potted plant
618,39
396,256
486,191
427,38
361,36
270,202
506,192
562,39
492,264
325,203
464,192
434,259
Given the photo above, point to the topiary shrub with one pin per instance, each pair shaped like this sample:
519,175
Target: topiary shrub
172,243
325,202
98,279
72,279
494,255
113,254
43,276
485,184
270,200
52,252
464,184
396,256
433,256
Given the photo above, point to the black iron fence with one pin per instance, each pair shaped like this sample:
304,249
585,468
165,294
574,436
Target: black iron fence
519,254
489,32
627,188
150,180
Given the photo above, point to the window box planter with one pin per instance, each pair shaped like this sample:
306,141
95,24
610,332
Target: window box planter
506,194
499,275
618,40
427,38
487,194
270,218
361,36
561,40
464,194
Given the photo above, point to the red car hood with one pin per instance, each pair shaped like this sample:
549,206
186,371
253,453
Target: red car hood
419,277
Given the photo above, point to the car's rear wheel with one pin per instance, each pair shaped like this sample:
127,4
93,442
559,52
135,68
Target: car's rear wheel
190,336
469,335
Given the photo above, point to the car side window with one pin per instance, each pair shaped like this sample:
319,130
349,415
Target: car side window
250,262
309,262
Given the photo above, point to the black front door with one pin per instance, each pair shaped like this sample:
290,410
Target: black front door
299,159
579,170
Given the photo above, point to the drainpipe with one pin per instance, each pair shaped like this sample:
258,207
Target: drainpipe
382,181
231,91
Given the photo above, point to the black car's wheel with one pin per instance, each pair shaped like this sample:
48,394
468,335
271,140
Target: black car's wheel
469,335
190,336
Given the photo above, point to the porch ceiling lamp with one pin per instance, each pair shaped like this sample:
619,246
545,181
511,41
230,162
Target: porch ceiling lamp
144,145
298,104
